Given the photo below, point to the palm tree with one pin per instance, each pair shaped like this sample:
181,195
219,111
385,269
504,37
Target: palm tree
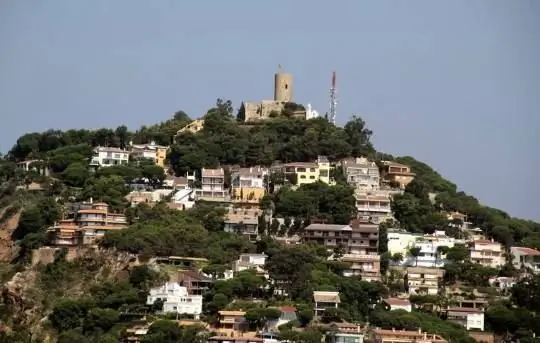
441,250
414,252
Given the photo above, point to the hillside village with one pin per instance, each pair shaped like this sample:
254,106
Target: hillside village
283,229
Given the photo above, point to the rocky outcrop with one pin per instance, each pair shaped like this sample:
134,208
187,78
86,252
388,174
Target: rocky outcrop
7,247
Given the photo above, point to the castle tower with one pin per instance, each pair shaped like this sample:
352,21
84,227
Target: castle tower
283,90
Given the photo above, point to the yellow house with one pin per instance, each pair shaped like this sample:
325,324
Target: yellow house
161,155
248,184
157,153
309,172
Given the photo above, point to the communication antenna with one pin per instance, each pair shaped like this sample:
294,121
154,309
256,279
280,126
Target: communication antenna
333,99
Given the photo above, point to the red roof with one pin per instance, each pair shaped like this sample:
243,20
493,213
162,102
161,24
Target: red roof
397,302
288,309
483,241
527,251
465,309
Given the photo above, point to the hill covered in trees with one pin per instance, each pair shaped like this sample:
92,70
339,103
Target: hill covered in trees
91,298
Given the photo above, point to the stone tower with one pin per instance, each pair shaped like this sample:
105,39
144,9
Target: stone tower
283,90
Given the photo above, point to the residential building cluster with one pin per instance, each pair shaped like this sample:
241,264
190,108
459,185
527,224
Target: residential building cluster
89,223
357,243
109,156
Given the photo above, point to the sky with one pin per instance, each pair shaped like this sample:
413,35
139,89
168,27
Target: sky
453,83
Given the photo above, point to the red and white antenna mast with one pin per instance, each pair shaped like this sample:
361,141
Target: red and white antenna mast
333,99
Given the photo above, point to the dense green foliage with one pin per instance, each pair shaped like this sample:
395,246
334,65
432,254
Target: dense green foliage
160,231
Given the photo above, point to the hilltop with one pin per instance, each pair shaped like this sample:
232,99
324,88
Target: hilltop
92,220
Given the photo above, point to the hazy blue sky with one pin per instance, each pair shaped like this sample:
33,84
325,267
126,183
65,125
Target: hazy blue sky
453,83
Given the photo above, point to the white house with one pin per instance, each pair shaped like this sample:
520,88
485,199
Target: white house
106,157
470,318
528,258
250,261
398,304
502,283
176,299
487,253
429,245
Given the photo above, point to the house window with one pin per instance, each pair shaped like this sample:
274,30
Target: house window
302,176
312,177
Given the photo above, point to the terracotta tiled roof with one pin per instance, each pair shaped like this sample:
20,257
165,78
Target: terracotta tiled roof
320,296
464,309
397,302
526,251
194,275
231,313
288,309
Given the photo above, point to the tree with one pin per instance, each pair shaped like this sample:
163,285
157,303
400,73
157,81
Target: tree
414,252
358,137
154,174
441,251
257,317
69,314
526,293
457,253
397,258
76,174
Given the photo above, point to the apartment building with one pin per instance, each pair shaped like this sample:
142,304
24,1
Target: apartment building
526,258
308,172
430,256
151,151
248,184
366,266
90,223
400,241
373,205
243,222
396,174
419,280
176,299
232,320
357,238
361,173
470,318
488,253
405,336
345,333
212,186
106,157
195,283
324,300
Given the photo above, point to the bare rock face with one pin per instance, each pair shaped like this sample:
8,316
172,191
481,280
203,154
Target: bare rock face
7,247
13,295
